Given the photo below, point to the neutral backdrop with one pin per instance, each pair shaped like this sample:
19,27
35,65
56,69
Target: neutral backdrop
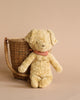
17,18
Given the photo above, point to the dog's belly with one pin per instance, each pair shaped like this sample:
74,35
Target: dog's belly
41,68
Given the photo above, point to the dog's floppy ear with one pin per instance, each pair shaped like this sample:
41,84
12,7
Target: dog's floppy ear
52,37
30,37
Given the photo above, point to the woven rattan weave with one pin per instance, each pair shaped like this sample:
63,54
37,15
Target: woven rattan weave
19,50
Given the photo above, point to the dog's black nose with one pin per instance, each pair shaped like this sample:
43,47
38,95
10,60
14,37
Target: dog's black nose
43,45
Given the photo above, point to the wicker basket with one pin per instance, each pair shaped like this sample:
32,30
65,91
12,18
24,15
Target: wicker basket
19,50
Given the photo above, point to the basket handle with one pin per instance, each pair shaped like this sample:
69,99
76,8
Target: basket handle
7,59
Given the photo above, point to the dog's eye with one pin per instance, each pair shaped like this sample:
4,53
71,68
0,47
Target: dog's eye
36,42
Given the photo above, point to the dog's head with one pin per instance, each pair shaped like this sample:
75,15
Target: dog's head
41,40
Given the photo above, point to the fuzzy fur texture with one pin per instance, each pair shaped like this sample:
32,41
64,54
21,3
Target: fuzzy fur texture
40,73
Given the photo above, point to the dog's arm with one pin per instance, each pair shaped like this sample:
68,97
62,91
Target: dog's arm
55,63
26,63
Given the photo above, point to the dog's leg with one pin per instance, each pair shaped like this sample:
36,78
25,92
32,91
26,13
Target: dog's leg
45,81
34,81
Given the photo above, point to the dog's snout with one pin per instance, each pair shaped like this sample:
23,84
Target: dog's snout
43,45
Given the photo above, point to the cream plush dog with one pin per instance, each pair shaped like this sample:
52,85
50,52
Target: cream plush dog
41,41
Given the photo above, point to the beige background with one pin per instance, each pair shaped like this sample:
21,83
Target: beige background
17,18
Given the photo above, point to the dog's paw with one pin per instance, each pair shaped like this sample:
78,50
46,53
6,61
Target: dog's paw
21,69
59,69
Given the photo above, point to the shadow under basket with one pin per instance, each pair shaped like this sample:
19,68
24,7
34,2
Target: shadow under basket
19,50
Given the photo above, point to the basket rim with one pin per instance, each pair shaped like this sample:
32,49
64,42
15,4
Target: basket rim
16,40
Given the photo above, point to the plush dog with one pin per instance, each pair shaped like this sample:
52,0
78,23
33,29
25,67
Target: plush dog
41,42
